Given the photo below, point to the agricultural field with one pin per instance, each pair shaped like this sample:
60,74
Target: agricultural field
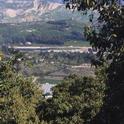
54,67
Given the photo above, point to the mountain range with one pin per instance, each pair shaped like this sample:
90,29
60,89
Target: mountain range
26,10
40,21
17,11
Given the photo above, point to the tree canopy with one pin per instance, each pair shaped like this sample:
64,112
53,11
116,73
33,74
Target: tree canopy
18,96
75,101
108,39
88,4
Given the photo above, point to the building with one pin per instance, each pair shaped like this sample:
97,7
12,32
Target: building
47,90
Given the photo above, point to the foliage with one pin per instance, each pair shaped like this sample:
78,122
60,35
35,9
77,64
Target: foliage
110,43
18,96
108,39
82,5
75,101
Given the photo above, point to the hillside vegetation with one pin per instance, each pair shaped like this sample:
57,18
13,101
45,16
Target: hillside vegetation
51,32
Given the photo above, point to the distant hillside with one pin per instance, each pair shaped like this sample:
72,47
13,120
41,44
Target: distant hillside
51,32
40,21
18,11
24,10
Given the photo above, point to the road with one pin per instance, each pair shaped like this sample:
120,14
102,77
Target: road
52,48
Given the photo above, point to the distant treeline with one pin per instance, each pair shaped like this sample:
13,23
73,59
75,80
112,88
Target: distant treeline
41,32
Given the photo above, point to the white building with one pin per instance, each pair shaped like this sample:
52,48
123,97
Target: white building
47,90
